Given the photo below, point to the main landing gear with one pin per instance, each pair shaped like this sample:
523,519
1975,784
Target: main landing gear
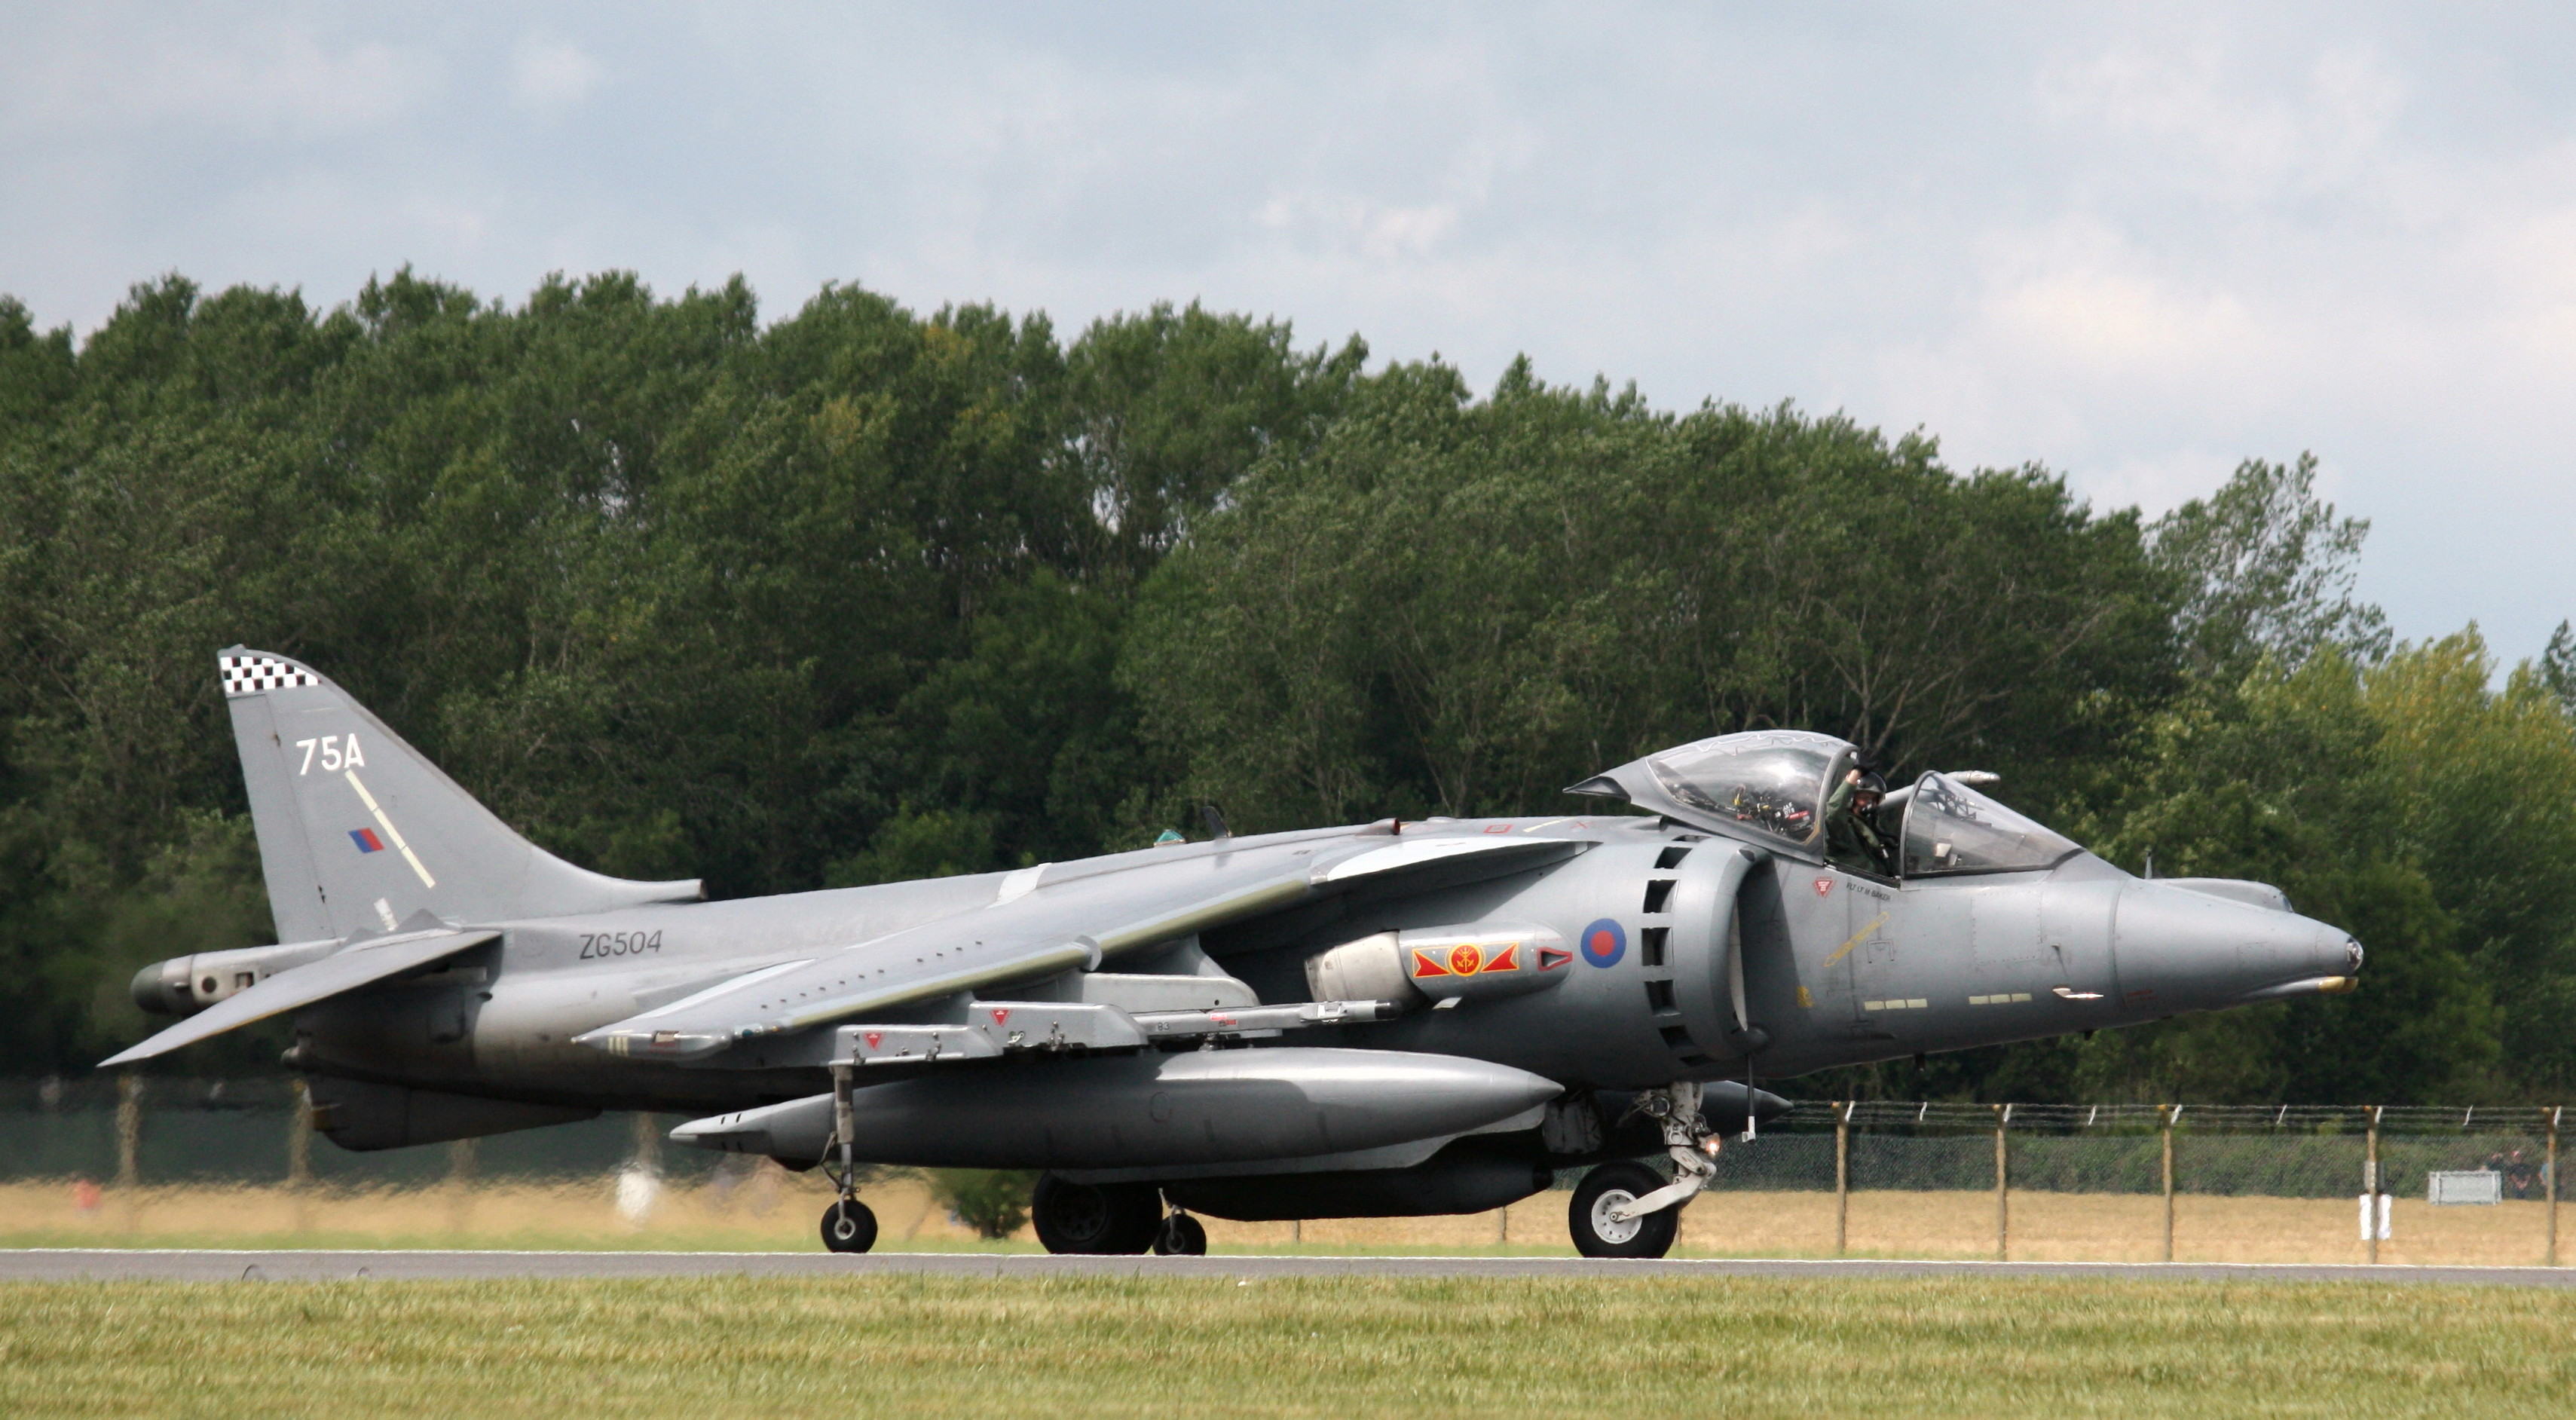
1095,1217
1111,1218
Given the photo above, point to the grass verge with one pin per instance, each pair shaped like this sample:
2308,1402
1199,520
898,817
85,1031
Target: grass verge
892,1346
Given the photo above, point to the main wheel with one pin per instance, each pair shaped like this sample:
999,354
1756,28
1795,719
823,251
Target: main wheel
1596,1234
849,1226
1095,1217
1181,1236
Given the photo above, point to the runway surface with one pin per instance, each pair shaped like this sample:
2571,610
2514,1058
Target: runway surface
112,1264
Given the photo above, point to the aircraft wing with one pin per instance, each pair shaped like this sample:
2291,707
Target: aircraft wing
345,970
1053,928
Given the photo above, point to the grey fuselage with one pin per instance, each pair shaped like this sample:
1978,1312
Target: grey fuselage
1837,967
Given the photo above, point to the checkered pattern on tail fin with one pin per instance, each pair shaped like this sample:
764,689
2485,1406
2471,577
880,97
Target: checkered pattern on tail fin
250,674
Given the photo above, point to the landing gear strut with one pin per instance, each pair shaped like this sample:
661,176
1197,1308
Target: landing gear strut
848,1225
1626,1209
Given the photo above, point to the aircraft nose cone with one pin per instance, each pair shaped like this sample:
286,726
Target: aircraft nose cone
2185,950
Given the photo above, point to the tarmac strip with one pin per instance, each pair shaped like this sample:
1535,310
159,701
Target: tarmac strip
210,1265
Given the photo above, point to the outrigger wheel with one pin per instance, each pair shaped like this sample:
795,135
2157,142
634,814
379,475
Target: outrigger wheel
1181,1236
1096,1217
1597,1234
849,1226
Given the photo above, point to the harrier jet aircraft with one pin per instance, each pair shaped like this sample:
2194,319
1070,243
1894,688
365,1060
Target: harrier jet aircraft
1391,1019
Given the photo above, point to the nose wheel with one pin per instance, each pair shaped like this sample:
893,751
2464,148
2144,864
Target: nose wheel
1599,1219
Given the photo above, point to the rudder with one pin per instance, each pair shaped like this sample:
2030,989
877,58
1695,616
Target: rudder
357,831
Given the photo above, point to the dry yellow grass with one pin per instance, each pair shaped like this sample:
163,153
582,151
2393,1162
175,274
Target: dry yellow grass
2097,1227
777,1210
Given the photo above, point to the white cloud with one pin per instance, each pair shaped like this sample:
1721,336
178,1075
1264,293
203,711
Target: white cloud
105,70
551,75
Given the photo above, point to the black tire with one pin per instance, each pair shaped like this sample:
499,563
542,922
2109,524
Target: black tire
1181,1236
1596,1236
849,1227
1095,1217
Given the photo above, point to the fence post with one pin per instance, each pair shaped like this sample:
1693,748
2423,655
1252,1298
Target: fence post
2549,1172
129,1128
129,1143
299,1139
299,1156
1842,1176
2003,1186
2370,1185
2166,1113
460,1184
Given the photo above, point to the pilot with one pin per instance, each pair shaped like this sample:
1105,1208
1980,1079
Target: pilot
1851,822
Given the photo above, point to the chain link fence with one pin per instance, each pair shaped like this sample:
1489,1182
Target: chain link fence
162,1131
2136,1181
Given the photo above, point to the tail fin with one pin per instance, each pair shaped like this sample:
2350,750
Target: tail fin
357,831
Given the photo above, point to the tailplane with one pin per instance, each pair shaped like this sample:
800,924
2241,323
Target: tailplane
357,831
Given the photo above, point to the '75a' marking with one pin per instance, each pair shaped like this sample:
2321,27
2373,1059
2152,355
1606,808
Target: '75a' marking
334,754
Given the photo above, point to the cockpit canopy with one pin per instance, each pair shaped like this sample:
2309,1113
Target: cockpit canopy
1951,828
1771,782
1775,784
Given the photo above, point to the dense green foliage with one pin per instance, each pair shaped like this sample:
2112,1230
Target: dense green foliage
862,595
994,1202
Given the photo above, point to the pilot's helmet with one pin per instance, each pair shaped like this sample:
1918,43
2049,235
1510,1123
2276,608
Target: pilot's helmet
1872,786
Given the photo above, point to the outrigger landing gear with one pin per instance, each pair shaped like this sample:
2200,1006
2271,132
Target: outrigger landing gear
848,1225
1626,1209
1181,1236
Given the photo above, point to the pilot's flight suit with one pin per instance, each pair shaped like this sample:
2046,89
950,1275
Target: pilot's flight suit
1849,835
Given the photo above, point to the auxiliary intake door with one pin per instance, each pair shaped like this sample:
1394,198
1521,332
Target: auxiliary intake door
1717,982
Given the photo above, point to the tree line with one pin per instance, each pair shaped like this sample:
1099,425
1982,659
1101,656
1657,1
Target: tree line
863,594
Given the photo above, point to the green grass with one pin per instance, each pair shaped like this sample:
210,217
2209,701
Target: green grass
888,1345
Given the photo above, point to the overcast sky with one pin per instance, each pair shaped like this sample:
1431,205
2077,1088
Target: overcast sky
2132,243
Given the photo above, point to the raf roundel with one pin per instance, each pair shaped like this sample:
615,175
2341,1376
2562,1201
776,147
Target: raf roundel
1604,942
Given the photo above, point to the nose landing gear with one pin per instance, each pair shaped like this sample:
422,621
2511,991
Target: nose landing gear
1626,1209
1602,1216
